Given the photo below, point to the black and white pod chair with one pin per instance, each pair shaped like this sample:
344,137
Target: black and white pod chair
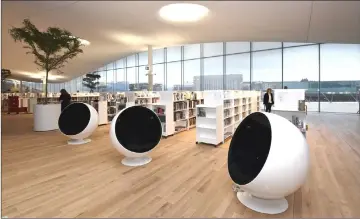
268,159
134,132
78,121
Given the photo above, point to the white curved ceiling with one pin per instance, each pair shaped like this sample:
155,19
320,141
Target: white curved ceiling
118,28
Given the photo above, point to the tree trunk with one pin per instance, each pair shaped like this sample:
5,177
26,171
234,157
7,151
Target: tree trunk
46,87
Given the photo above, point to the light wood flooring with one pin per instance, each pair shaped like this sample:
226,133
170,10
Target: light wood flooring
42,176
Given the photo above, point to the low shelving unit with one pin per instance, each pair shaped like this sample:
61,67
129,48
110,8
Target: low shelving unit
209,125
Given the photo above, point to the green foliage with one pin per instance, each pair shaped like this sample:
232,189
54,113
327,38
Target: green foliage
52,48
92,81
5,73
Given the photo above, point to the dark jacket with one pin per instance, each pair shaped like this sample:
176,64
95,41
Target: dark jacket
66,99
266,98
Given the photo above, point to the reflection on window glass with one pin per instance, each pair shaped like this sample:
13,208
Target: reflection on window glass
192,51
265,45
238,72
121,84
340,77
213,73
192,75
213,49
237,47
267,70
158,71
301,71
174,53
174,76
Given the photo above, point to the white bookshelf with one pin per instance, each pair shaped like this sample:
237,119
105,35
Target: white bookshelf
142,98
164,111
236,105
209,124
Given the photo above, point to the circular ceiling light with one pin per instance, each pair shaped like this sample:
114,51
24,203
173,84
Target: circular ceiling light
183,12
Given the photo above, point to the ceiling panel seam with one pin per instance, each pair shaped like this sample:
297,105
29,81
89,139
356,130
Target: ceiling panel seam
308,30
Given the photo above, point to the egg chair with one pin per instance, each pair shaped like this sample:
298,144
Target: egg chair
135,131
268,159
78,121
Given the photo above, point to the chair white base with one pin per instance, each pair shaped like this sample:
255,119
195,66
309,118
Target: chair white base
136,161
78,141
265,206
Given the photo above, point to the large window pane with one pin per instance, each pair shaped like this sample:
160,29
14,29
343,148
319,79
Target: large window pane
85,89
192,75
121,84
267,70
102,81
192,51
174,76
120,63
67,86
340,77
265,45
57,88
79,84
237,47
110,66
50,87
143,58
73,85
213,49
158,71
158,56
131,78
213,73
173,53
238,72
110,80
130,61
301,71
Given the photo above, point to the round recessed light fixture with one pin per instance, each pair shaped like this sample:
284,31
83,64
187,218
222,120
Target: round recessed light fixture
183,12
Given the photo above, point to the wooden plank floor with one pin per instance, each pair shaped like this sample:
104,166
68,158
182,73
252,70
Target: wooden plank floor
42,176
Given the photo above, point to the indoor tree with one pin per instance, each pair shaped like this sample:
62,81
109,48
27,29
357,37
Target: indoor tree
91,81
52,48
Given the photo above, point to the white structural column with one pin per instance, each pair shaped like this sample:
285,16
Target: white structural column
21,87
43,84
150,65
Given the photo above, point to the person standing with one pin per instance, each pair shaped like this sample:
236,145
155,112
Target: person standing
64,98
268,100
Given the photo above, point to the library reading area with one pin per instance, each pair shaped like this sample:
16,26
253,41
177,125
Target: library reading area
226,109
